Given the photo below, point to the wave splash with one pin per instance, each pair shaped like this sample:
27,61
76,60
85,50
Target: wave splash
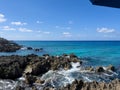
61,78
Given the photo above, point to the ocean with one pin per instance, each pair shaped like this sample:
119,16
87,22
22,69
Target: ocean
93,52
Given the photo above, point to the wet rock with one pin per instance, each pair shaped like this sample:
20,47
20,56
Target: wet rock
34,88
39,81
99,69
20,88
29,48
46,55
64,55
29,79
80,85
48,88
89,68
38,49
14,66
111,67
72,55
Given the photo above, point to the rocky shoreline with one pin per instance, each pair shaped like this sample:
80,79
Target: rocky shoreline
32,67
8,46
12,67
26,72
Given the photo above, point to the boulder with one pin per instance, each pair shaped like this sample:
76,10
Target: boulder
99,69
29,48
38,49
89,68
111,67
29,79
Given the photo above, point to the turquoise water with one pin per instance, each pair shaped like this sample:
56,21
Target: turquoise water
93,52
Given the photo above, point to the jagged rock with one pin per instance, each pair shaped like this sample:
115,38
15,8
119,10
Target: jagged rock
29,79
46,55
34,88
80,85
99,69
72,55
111,67
29,48
38,49
20,88
39,81
11,67
89,68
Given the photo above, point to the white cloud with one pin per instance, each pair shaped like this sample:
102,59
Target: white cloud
18,23
70,22
39,22
46,32
105,30
8,28
2,18
67,34
24,30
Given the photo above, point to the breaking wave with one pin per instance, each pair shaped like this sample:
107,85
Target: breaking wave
60,78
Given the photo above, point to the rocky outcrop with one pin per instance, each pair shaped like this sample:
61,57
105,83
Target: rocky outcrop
35,49
14,66
99,69
8,46
81,85
11,67
111,67
31,67
41,65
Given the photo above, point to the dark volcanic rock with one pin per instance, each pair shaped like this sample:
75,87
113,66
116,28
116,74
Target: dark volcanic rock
11,67
80,85
8,46
99,69
29,48
111,67
29,79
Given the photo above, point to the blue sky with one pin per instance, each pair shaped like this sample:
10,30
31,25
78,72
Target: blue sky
58,20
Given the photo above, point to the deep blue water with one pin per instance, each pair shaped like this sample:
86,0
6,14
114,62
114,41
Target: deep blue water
93,52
